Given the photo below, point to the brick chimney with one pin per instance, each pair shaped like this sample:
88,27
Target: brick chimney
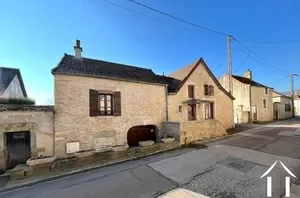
248,74
78,49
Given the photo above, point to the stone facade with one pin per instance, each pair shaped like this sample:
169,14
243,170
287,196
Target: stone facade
280,111
141,104
199,130
201,127
40,124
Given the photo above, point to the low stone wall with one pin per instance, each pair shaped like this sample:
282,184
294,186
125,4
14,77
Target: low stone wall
171,129
38,120
198,130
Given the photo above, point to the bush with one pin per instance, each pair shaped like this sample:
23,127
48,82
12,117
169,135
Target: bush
17,101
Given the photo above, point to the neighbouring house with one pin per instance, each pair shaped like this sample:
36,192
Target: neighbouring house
253,101
25,132
11,83
282,106
297,104
101,105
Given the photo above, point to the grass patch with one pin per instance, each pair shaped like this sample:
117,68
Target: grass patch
17,101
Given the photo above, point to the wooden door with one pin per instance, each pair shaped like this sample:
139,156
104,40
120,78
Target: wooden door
191,112
18,148
140,133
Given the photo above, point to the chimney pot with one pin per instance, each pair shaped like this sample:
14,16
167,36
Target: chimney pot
78,49
248,74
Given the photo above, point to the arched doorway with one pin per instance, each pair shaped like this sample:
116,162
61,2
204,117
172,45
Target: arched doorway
141,133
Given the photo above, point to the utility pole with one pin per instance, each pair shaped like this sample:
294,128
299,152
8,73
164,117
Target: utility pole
293,93
229,37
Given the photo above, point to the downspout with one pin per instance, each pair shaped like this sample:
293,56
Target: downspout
166,96
250,98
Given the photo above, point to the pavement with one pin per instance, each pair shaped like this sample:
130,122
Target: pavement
227,168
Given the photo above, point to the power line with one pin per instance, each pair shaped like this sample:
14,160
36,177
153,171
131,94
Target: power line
254,54
148,16
283,41
178,19
198,26
246,58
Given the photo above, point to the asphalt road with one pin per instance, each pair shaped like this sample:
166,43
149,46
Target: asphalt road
227,168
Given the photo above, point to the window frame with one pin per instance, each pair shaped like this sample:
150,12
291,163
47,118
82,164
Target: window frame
266,91
264,103
206,89
193,91
210,107
106,102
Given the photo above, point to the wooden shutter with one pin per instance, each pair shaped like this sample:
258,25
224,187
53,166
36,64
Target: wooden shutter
205,90
117,103
94,103
191,91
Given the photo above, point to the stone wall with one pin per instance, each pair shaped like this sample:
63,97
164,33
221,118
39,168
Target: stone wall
141,104
171,129
198,130
36,119
223,103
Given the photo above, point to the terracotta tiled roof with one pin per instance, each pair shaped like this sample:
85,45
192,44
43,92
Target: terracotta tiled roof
6,77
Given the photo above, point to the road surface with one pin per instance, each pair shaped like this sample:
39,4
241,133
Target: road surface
227,168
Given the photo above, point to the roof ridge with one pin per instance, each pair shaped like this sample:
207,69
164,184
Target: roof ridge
120,64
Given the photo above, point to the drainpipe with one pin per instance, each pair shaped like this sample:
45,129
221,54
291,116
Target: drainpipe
250,100
167,110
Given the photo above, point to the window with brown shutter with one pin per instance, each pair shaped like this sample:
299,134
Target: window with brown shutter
94,108
191,91
117,103
265,103
206,90
105,103
210,90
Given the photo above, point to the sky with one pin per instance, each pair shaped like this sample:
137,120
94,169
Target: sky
35,34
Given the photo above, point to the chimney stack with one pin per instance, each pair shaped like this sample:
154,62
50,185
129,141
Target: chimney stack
248,74
78,49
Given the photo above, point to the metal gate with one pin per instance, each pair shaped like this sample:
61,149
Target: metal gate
18,148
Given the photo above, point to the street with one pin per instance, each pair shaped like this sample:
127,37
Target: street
227,168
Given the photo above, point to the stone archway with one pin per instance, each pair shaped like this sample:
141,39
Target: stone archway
141,133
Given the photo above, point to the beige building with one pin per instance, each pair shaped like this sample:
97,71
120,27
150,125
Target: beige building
282,106
102,105
297,105
253,101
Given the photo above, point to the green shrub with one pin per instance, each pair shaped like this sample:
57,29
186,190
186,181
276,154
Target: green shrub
17,101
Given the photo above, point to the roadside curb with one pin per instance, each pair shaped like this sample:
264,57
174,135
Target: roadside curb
84,170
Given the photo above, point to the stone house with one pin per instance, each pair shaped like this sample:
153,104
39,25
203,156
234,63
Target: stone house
25,132
11,83
282,106
253,101
103,105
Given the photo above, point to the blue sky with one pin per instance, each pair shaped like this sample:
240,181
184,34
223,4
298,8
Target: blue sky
35,35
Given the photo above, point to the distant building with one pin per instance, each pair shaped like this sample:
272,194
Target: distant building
253,101
11,83
282,106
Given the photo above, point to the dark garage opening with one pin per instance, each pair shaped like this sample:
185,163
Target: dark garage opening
18,148
137,134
